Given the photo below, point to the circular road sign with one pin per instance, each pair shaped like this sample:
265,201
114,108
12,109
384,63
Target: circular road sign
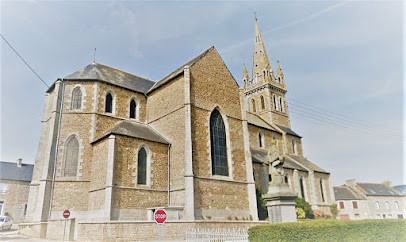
66,214
160,216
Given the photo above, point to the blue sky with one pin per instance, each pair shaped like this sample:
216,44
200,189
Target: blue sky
343,64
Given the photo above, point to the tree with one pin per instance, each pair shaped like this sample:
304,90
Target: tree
301,203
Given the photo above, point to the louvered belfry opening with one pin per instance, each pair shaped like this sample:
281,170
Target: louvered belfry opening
218,144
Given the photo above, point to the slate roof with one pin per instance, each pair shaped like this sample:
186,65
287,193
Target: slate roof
288,130
100,72
260,156
306,163
258,121
178,71
376,189
135,130
345,193
400,189
10,171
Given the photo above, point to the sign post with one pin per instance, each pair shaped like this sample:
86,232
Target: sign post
66,215
160,218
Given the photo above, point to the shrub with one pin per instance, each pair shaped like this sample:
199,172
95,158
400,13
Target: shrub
261,205
334,210
331,230
301,203
300,214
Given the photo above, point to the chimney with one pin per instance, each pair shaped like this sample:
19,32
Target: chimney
387,183
351,183
19,162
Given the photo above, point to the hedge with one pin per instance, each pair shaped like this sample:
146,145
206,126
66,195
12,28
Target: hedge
331,230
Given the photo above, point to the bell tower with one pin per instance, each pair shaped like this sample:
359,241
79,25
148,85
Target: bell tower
265,92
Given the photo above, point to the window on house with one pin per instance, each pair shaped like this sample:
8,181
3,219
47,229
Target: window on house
264,73
378,216
389,215
341,205
260,139
269,178
383,216
302,193
293,146
262,103
76,98
286,179
71,157
142,167
3,187
397,204
109,103
387,204
279,80
1,207
377,205
133,109
355,204
25,209
321,190
218,144
253,106
400,215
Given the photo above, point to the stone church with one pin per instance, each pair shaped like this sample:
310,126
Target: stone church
114,146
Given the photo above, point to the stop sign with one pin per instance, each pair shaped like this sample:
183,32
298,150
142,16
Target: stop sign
66,214
160,216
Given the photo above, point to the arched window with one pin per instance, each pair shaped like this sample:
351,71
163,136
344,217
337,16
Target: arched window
142,167
218,144
133,109
264,73
76,98
109,103
71,157
321,190
260,140
262,103
302,194
286,179
293,146
253,105
274,103
281,103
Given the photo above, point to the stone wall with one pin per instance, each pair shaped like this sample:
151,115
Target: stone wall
148,231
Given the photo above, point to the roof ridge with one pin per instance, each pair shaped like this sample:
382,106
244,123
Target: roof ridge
179,70
122,71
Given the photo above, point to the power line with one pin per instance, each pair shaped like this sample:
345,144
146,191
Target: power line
15,51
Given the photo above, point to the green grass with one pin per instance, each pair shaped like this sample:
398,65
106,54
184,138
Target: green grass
331,230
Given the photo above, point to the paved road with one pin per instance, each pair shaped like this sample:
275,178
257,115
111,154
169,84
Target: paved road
13,236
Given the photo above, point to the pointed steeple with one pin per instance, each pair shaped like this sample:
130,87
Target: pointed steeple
245,75
261,69
280,73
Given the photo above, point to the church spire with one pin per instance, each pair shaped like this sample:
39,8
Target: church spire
261,69
245,76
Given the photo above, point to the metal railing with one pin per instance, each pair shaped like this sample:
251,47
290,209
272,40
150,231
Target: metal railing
217,235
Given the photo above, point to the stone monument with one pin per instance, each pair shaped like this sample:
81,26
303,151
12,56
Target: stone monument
280,201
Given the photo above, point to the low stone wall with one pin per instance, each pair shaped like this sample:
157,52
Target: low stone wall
34,230
58,228
146,231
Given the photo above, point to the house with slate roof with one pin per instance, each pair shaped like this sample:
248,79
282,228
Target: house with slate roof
15,181
357,200
115,146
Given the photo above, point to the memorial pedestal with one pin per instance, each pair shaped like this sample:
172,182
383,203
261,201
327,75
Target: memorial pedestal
280,202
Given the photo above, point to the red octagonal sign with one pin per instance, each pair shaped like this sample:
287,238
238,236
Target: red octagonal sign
160,216
66,214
